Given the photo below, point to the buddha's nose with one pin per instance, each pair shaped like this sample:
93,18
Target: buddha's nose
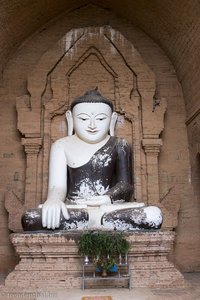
92,124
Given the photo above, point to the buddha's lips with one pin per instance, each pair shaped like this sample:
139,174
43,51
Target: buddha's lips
92,131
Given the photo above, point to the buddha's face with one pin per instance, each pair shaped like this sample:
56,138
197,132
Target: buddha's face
92,121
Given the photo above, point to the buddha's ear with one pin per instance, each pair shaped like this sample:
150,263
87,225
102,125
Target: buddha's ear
113,123
70,125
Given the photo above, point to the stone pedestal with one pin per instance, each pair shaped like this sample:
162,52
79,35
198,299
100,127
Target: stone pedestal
52,260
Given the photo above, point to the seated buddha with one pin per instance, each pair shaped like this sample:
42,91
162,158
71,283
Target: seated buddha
90,176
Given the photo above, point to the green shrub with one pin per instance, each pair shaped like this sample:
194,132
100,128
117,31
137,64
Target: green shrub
103,247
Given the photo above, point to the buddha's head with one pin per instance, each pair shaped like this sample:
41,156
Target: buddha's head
92,117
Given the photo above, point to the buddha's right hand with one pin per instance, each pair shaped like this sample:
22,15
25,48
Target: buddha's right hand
51,211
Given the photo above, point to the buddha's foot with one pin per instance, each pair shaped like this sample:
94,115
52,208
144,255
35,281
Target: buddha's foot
133,219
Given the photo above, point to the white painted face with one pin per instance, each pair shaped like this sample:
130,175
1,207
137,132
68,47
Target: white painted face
92,121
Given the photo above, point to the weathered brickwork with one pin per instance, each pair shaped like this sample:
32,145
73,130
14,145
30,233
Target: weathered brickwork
53,260
176,170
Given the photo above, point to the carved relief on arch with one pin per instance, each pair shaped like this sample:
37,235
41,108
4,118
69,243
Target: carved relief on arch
82,60
115,45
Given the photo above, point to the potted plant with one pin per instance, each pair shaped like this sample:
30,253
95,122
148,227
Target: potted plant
85,245
103,248
104,264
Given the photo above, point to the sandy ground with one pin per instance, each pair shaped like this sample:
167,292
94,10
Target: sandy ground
192,292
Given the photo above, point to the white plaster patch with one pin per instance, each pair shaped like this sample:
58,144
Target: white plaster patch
113,49
132,50
85,189
112,34
189,177
62,127
76,225
102,160
116,35
123,145
68,40
153,215
101,190
33,214
101,30
119,225
121,38
138,218
120,121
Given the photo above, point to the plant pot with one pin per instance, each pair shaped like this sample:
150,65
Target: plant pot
113,269
104,273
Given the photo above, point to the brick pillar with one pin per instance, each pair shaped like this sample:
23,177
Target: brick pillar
32,147
152,149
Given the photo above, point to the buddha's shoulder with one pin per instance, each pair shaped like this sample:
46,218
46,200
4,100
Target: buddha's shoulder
121,142
122,145
63,142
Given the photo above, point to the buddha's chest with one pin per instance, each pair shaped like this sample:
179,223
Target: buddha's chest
94,178
78,154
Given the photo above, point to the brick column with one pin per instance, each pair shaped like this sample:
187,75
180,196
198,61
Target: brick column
32,147
152,149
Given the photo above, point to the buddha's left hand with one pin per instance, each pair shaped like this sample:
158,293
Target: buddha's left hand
96,200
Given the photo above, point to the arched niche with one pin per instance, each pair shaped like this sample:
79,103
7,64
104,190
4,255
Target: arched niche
83,59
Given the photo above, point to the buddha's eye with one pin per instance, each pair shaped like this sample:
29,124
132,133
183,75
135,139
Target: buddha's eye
101,119
83,119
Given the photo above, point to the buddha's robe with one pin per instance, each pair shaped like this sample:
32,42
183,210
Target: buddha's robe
108,172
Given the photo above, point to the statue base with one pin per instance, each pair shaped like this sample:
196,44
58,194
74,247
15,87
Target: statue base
52,259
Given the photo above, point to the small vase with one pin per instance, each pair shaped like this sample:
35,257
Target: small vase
104,273
120,259
86,260
126,259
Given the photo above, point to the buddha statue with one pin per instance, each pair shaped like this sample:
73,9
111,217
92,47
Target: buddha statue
90,176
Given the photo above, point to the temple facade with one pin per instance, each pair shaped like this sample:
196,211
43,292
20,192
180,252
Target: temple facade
144,57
